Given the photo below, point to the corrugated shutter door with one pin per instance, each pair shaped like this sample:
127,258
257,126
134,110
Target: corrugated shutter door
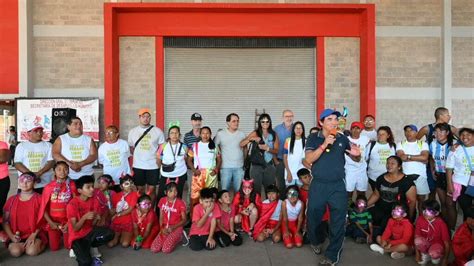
215,82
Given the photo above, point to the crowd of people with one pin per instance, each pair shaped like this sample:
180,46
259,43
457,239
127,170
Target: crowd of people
279,183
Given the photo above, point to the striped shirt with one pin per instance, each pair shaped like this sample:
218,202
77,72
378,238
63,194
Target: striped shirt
363,218
189,139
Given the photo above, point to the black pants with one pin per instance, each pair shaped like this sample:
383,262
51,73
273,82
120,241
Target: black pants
223,240
12,155
198,243
97,237
280,179
4,188
465,202
163,180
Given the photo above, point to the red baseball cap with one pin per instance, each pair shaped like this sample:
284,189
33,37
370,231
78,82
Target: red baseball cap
357,124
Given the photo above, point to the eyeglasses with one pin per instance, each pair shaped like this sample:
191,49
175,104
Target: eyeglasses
145,116
264,121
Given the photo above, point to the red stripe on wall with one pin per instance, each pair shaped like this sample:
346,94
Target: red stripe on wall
9,66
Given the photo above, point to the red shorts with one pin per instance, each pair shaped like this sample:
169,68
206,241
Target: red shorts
292,238
271,224
118,228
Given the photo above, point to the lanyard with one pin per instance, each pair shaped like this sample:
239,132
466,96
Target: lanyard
169,212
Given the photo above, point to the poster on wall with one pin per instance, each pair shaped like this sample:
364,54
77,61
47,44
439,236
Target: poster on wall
38,112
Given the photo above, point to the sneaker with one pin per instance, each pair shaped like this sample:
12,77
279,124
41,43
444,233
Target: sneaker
316,249
377,248
435,261
326,261
361,240
97,262
71,253
424,259
95,253
397,255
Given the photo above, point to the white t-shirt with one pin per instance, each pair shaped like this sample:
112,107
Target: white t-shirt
114,158
353,167
35,156
458,162
378,159
372,135
276,213
76,150
144,156
295,159
293,211
204,158
229,143
166,155
413,148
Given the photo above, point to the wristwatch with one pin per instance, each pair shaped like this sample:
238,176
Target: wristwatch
409,157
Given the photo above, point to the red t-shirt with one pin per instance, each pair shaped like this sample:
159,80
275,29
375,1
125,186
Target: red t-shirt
174,212
198,213
76,209
23,214
226,216
143,222
103,200
399,232
58,201
131,201
436,231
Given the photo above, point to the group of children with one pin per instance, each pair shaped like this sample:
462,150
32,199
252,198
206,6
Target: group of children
429,238
87,215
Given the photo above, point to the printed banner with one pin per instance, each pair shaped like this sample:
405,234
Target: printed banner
38,112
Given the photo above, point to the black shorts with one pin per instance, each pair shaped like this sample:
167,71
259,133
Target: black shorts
143,177
441,182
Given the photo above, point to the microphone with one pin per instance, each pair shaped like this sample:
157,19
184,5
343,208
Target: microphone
333,132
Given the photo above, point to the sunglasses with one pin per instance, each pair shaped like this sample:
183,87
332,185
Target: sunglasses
264,121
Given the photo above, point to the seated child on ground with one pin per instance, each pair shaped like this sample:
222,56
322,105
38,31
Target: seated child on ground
20,216
172,220
205,215
463,242
432,240
397,239
145,223
292,218
360,222
247,205
226,234
104,195
56,195
82,214
269,223
123,203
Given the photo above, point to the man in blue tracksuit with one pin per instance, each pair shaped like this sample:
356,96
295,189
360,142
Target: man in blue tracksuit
325,152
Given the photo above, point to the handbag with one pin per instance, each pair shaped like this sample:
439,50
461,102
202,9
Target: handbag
470,186
170,167
256,155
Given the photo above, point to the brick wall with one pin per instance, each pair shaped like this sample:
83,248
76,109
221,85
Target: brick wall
68,62
462,13
408,12
463,62
462,113
342,75
69,12
137,80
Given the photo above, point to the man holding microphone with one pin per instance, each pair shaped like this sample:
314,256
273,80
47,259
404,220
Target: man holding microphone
325,152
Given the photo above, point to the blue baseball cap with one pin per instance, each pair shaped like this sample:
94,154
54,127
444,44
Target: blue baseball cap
327,112
411,126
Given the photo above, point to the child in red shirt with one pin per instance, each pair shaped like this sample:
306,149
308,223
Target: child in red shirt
172,220
123,204
226,234
292,218
103,193
432,238
145,224
397,239
56,195
20,216
463,240
205,215
82,214
247,205
269,223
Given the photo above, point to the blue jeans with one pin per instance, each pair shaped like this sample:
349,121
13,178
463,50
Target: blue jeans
232,176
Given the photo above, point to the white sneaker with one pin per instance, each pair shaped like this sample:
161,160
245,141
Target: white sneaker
95,253
71,253
424,259
397,255
435,261
377,248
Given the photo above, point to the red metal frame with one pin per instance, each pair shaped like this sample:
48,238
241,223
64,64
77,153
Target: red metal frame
9,47
237,20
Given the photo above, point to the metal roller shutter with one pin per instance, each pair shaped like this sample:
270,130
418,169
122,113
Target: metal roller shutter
216,82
